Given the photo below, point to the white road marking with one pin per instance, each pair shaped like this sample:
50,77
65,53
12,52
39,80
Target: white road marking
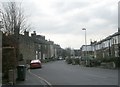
41,78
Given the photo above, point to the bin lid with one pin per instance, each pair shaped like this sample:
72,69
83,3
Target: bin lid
21,66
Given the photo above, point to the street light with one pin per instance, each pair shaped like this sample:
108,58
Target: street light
85,41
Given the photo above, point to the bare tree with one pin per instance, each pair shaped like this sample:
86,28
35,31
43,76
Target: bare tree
68,52
13,18
14,22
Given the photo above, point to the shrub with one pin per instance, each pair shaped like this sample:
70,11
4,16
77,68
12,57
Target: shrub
77,61
95,62
108,60
69,60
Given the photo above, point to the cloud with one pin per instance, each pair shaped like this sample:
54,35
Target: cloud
62,20
119,14
65,40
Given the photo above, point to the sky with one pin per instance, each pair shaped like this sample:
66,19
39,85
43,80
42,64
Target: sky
62,20
119,14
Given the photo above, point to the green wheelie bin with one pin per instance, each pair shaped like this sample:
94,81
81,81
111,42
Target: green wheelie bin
21,72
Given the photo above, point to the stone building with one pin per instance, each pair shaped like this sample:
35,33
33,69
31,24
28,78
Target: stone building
119,42
22,50
115,44
58,51
0,53
97,50
39,44
45,49
34,47
51,49
106,48
26,47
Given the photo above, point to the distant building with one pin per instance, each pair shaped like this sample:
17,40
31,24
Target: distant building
119,43
45,49
108,47
119,26
97,50
40,45
87,50
77,53
51,49
58,51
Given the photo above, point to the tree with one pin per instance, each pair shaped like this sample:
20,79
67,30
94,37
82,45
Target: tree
14,22
68,52
13,18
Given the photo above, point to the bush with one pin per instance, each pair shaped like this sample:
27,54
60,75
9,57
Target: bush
73,61
77,61
108,60
69,60
96,62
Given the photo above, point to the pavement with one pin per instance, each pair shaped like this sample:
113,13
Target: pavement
32,79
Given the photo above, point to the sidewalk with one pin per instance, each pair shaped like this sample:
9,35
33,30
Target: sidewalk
31,80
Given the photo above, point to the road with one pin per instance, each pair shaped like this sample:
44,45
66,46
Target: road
61,73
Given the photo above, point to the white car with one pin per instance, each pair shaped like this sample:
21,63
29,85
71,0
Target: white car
60,58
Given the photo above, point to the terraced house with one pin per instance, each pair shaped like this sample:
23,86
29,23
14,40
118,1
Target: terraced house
106,48
26,48
37,47
0,52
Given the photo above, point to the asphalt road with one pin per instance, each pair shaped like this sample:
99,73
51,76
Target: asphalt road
61,73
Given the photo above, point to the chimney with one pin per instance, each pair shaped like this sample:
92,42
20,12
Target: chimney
33,34
26,33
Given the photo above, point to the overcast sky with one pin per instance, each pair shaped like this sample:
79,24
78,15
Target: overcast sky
62,20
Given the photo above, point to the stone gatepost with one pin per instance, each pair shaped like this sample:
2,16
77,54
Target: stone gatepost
12,77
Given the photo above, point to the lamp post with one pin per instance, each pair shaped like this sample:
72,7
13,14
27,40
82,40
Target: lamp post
85,42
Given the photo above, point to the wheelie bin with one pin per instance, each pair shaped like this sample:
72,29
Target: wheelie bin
21,72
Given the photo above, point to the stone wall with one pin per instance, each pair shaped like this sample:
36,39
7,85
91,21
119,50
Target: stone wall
0,56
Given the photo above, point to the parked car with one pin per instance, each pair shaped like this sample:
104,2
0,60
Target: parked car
35,64
60,58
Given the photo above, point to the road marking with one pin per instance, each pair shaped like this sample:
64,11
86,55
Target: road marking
41,78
